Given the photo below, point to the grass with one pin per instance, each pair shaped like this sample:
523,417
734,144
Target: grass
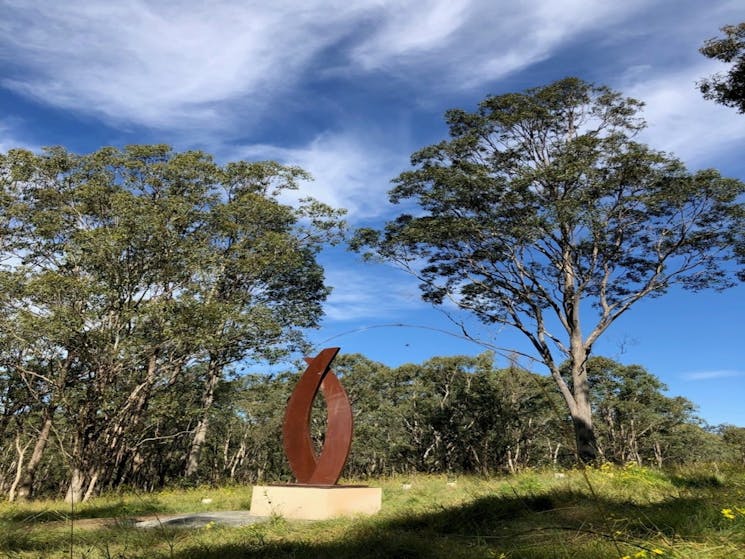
608,512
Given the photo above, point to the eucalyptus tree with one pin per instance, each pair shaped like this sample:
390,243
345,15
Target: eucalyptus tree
45,313
542,212
734,438
448,414
257,453
458,416
727,88
636,420
132,268
258,283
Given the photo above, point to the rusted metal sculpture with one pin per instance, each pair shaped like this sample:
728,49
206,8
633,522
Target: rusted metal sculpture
309,468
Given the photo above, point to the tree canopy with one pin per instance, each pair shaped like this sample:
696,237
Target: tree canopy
129,273
544,213
727,88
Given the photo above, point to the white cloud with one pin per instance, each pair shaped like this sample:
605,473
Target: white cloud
369,292
410,28
459,45
510,36
349,171
209,70
714,374
196,65
164,64
9,137
682,122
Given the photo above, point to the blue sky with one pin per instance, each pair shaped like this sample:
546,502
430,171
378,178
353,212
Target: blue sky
348,90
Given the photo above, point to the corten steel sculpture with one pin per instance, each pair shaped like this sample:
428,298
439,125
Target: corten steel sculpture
324,469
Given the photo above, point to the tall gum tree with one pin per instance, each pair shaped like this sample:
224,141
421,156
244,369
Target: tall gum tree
543,213
258,280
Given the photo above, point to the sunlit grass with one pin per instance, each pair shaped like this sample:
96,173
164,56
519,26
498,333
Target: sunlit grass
608,512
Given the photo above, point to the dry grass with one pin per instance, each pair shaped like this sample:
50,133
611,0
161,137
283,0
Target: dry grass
630,512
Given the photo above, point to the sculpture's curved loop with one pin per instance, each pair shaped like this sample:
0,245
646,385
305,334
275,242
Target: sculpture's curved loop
307,467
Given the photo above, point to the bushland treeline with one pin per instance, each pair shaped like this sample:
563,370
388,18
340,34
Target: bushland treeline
462,415
449,414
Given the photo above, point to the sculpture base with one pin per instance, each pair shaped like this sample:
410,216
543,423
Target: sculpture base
315,502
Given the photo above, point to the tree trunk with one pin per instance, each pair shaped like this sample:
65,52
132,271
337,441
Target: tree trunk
26,484
75,489
584,433
111,471
91,485
200,433
580,409
658,454
21,450
237,459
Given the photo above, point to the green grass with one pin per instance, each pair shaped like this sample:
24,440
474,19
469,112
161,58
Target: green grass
601,513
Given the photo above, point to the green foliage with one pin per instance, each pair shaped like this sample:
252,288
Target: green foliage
133,279
461,415
734,438
636,421
454,414
727,88
134,282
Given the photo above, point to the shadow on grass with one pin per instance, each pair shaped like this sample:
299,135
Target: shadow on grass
553,525
697,481
563,524
60,513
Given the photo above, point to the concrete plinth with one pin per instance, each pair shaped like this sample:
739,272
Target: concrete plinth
308,502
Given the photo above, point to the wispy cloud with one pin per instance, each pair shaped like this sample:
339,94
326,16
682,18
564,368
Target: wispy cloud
680,120
411,28
164,64
714,374
208,71
350,171
529,32
10,137
457,45
216,65
369,292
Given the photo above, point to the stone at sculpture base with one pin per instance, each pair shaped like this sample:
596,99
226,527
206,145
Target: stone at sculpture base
309,502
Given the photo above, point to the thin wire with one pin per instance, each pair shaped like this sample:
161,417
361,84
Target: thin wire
503,351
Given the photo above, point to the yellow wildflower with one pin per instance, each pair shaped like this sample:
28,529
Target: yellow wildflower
657,551
727,513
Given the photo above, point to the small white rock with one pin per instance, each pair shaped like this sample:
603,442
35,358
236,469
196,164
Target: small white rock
206,501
